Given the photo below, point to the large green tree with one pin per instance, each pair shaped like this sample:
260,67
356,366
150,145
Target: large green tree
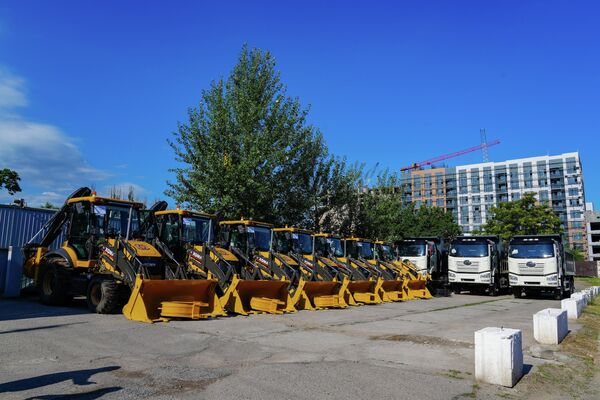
384,216
9,180
248,150
522,217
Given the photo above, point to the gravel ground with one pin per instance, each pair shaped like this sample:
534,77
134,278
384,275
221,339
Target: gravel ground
419,349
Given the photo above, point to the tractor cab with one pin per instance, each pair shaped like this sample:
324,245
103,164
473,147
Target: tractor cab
360,249
293,241
182,229
246,236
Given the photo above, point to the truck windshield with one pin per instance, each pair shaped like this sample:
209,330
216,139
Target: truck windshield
412,249
259,238
303,243
469,250
113,220
195,229
537,250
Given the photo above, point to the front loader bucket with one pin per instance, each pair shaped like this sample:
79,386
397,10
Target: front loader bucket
155,300
418,288
257,296
364,292
391,290
318,295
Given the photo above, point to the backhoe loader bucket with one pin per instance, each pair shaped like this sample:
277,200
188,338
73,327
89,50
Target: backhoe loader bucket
418,288
318,296
257,296
391,290
364,292
161,300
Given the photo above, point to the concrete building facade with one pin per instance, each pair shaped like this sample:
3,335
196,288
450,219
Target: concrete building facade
469,191
592,222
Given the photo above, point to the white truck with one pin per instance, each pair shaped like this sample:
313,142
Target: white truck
540,264
477,264
429,257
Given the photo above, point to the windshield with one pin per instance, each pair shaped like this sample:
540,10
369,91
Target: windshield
538,250
462,249
195,230
303,243
387,254
283,242
113,220
259,238
329,247
360,249
412,249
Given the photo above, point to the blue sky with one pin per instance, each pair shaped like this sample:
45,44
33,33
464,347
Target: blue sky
90,91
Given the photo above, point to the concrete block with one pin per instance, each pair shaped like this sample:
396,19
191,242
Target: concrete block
550,326
573,307
499,356
581,297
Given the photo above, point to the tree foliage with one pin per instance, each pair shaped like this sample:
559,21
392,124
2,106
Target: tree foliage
248,150
49,206
384,216
9,180
522,217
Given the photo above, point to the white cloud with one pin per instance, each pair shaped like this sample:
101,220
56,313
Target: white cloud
48,161
12,91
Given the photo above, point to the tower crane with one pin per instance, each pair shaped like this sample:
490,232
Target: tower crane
431,161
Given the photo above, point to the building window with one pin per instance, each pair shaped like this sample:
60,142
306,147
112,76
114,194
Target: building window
515,196
439,203
574,192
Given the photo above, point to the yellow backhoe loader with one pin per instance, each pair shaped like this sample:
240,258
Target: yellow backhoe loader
362,287
415,285
311,289
244,287
106,259
361,252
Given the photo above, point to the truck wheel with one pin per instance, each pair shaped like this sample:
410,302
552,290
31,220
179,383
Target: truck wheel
54,282
104,296
559,293
493,291
517,293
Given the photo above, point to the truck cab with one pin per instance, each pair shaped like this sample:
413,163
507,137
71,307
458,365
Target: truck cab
477,264
540,264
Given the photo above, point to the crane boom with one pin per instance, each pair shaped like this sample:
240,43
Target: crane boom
450,155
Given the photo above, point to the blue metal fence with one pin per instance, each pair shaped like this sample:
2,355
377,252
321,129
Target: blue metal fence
17,226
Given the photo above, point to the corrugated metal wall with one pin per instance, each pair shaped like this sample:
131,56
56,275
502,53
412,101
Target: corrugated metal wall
17,226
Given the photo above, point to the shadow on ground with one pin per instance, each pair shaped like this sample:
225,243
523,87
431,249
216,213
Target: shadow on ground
79,378
29,307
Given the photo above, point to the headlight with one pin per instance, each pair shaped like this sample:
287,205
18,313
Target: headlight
451,276
485,277
513,279
552,279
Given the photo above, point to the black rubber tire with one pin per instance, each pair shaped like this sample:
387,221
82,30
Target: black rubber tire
494,289
54,282
517,293
559,293
104,296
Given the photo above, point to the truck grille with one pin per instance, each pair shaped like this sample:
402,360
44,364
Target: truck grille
461,267
537,270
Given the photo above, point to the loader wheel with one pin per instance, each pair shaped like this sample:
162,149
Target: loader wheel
104,296
54,282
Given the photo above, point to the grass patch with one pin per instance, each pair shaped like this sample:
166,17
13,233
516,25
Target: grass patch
454,374
573,378
589,280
